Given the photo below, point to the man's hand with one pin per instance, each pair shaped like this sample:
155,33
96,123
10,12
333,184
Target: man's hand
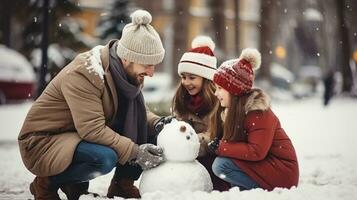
161,123
149,156
213,145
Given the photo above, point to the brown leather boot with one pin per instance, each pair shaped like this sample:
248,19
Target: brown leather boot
74,190
124,188
40,188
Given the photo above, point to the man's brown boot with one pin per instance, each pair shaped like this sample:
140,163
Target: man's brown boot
40,188
74,190
124,188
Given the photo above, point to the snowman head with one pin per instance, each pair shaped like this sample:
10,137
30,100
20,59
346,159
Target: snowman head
179,141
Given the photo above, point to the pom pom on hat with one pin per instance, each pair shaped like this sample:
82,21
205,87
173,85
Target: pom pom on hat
252,56
202,41
141,17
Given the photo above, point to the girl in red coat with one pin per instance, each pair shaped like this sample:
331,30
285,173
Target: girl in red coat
253,149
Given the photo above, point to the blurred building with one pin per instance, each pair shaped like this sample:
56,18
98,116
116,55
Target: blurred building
92,10
292,34
232,24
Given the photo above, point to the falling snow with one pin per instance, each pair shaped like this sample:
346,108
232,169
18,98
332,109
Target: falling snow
321,176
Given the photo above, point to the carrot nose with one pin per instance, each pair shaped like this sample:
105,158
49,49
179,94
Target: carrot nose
183,129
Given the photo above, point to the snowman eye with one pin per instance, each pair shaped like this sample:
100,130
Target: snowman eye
188,137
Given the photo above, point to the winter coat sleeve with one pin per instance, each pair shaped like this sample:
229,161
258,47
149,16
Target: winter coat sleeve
260,127
84,101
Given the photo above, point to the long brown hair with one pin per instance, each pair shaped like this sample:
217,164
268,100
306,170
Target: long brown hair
231,128
181,99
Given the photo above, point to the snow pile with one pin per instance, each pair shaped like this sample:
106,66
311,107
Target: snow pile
94,62
11,119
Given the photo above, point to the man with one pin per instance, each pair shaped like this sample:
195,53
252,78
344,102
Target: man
91,118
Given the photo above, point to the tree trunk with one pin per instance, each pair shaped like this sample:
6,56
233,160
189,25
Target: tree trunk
268,9
44,46
331,30
236,27
219,27
5,21
345,64
351,16
180,34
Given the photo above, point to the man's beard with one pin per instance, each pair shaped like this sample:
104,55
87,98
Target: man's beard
132,77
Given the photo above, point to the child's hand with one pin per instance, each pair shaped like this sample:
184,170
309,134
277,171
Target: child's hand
213,145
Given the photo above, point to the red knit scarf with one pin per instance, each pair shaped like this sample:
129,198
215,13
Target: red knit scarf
195,104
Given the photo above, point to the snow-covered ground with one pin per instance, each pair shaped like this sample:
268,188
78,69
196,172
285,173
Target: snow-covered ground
325,140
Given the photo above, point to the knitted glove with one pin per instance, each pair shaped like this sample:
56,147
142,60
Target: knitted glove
149,156
213,145
161,123
203,139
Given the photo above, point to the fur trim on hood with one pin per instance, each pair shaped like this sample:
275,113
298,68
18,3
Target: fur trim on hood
257,100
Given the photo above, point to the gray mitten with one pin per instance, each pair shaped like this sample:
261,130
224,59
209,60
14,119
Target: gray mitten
149,156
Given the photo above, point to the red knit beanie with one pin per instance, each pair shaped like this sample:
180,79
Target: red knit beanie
236,75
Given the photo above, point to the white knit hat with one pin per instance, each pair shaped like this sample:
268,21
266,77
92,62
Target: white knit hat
140,43
200,60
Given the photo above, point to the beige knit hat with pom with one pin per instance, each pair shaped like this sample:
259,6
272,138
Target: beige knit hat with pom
140,43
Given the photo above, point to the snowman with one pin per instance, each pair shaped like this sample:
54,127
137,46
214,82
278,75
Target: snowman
181,171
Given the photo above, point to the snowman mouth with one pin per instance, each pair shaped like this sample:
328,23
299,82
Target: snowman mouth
188,137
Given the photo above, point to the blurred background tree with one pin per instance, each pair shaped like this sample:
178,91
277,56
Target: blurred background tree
300,41
22,30
111,24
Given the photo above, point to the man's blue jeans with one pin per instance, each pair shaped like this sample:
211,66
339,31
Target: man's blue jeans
92,160
227,170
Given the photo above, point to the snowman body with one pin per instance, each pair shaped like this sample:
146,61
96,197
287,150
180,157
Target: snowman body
181,171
